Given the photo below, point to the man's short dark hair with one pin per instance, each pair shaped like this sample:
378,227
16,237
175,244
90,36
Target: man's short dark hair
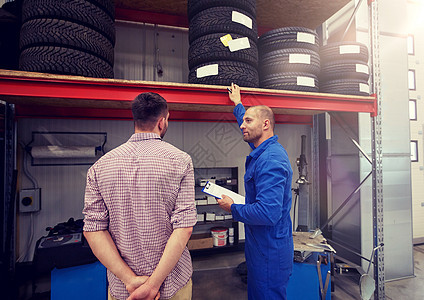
147,108
265,112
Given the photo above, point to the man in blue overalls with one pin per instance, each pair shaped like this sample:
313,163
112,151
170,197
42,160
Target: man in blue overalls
266,214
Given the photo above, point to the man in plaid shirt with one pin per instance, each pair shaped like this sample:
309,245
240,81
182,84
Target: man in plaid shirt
140,211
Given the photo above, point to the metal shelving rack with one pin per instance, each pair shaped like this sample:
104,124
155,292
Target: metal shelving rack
377,154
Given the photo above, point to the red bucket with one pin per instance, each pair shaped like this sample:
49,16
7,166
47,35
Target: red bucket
219,235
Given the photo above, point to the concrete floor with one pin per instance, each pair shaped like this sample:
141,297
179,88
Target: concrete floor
215,278
412,288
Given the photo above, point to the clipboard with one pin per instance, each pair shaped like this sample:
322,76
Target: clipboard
217,191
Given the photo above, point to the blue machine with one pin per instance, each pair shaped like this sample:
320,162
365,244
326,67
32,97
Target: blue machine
81,282
304,282
90,282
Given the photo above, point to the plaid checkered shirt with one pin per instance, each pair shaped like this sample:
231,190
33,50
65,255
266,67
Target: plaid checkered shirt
139,192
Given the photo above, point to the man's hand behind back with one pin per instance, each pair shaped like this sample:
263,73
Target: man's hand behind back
139,289
135,283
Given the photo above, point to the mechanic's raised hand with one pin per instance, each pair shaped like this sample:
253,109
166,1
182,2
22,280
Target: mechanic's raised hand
235,94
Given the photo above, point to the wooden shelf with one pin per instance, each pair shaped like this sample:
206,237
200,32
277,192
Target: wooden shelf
270,14
48,95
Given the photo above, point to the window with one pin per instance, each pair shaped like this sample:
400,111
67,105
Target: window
413,110
411,46
411,79
414,150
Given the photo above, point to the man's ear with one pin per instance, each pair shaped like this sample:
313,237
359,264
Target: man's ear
267,124
161,123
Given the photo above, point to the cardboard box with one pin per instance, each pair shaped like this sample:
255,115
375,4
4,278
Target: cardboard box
228,217
210,217
219,218
211,200
200,217
200,241
202,202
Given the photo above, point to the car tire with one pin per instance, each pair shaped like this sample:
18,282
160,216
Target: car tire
292,60
211,48
228,71
344,51
346,87
302,82
67,61
196,6
288,37
220,19
56,32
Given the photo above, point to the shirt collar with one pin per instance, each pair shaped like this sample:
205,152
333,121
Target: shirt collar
261,148
141,136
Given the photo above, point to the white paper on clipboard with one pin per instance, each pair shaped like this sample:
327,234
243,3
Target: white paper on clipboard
217,191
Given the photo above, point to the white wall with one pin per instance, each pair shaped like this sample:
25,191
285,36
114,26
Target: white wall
209,144
141,49
415,62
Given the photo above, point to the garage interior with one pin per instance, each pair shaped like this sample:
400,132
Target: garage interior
362,191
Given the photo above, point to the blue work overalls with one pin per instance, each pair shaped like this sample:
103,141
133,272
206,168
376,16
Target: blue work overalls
266,215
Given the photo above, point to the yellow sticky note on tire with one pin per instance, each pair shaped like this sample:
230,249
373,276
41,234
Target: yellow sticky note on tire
225,39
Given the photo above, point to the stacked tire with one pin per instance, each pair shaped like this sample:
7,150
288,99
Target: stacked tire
9,35
344,69
70,37
289,59
223,42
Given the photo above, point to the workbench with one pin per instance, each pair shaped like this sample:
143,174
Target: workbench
304,282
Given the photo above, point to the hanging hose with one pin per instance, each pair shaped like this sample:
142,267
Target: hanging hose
25,254
25,167
296,191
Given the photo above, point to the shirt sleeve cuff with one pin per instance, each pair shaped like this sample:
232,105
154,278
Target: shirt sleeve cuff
239,108
234,211
184,219
95,225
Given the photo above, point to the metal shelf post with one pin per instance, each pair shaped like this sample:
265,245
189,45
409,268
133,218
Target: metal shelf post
377,155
